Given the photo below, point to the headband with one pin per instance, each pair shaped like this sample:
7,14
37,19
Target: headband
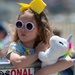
36,5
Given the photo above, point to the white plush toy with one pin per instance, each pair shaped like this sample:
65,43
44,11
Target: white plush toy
58,47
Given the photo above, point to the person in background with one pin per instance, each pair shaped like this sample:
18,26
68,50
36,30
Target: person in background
32,35
4,40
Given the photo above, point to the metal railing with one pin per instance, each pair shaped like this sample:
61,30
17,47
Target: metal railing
7,67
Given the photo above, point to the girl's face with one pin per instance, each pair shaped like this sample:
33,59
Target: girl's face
24,34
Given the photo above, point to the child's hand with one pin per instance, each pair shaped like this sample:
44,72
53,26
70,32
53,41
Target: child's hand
41,47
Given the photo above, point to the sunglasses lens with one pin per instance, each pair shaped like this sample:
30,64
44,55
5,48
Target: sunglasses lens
29,26
18,24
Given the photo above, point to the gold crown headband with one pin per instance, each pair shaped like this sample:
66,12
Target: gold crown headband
36,5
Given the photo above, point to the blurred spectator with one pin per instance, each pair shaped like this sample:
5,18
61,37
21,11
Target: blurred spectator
3,32
4,39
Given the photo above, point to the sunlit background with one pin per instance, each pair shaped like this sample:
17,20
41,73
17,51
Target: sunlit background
61,14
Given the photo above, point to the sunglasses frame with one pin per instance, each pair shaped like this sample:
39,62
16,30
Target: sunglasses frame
25,25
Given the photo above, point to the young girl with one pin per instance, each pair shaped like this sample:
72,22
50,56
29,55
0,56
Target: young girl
31,36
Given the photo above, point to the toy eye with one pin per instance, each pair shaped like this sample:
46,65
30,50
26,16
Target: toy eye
61,42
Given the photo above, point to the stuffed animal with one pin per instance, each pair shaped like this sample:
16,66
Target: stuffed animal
59,47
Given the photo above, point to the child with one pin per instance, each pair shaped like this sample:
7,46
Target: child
32,35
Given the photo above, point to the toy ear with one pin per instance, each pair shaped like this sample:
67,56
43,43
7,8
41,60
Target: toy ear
69,38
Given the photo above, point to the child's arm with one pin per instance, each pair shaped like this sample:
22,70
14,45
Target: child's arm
22,61
57,67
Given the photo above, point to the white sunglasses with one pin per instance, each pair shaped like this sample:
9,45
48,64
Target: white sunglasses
28,26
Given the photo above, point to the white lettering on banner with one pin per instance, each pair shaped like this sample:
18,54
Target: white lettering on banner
27,71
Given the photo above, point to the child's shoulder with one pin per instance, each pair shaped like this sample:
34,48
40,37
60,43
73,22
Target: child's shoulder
13,44
16,45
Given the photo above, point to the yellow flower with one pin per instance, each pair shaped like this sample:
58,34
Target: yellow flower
28,51
10,49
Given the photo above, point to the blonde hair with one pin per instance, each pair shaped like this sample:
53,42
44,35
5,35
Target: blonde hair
44,29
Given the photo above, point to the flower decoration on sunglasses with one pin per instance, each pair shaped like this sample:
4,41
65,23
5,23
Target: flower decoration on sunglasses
36,5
